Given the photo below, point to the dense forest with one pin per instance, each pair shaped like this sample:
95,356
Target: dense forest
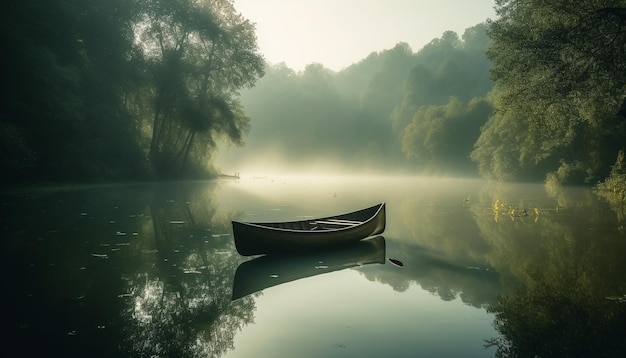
98,90
394,110
104,90
560,96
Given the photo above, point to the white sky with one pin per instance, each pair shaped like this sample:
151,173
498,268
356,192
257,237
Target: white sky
338,33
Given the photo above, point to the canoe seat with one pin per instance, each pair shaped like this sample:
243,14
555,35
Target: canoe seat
336,222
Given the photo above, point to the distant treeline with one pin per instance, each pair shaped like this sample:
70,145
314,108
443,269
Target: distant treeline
537,94
136,89
394,110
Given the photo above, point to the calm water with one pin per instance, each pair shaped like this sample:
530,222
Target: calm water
149,270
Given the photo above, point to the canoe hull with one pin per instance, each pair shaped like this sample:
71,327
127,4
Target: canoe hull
268,238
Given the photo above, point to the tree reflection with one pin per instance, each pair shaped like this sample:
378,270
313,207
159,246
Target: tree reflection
179,305
442,250
559,319
562,274
555,255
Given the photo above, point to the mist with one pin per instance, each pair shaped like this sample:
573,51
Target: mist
364,118
114,94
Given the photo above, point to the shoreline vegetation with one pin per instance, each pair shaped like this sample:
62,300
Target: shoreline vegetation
53,187
116,93
613,188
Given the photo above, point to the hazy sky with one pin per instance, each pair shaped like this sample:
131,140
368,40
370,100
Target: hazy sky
338,33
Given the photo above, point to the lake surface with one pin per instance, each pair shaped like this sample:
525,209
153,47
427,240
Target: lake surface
150,270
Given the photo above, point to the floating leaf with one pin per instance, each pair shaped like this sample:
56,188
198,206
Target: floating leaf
396,262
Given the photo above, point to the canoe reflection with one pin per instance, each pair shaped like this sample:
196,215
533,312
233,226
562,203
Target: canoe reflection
272,270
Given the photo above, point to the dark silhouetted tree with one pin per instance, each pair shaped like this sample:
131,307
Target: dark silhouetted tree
201,54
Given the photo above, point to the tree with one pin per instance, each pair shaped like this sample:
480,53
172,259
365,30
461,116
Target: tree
201,53
503,146
61,115
561,68
443,104
440,137
94,87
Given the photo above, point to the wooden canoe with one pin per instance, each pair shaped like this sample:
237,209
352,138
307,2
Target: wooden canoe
290,236
271,270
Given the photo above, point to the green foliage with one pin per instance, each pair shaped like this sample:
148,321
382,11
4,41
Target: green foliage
299,114
507,147
443,106
201,54
446,67
560,69
356,117
105,90
89,82
440,137
613,188
317,114
61,92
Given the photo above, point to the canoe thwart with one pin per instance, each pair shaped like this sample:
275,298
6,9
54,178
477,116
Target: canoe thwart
338,223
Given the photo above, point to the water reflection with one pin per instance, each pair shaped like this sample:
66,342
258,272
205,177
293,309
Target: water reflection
150,269
271,270
433,232
551,267
474,285
124,271
180,305
561,271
